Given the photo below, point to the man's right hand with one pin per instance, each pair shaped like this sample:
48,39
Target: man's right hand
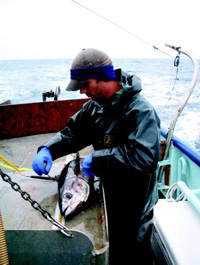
42,162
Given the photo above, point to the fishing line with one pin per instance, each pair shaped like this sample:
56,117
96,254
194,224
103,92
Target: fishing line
172,92
122,28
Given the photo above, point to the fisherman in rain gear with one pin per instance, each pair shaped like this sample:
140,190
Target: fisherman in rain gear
124,130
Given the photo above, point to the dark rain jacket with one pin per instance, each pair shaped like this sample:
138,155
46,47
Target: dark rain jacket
124,131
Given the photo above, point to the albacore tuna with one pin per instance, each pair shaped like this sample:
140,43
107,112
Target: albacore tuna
73,187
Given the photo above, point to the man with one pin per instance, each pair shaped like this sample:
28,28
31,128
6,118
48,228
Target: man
124,131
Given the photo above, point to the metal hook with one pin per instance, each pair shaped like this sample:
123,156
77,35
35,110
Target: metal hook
177,60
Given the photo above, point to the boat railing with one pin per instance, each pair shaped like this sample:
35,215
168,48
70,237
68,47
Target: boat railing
181,169
192,196
182,146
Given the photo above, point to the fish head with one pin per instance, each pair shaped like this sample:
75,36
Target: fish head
75,193
73,189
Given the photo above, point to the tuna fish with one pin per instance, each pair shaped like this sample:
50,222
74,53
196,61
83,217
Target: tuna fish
73,188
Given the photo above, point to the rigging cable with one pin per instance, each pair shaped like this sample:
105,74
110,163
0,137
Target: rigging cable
176,64
122,28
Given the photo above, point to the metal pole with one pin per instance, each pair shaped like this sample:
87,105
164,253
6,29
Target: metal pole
180,108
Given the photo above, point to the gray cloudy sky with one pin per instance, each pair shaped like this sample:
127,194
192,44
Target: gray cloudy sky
39,29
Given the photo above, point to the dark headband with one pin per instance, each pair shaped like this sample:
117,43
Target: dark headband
104,73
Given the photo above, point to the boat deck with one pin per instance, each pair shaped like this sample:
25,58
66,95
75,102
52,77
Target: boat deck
18,215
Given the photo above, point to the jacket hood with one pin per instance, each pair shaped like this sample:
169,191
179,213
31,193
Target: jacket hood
129,82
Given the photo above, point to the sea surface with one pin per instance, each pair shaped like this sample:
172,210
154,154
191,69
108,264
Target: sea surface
164,85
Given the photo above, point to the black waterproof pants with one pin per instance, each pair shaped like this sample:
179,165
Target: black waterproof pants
129,230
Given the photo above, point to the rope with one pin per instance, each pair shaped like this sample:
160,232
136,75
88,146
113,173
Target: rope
12,166
171,192
122,28
21,168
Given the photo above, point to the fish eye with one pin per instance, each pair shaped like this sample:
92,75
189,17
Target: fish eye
68,195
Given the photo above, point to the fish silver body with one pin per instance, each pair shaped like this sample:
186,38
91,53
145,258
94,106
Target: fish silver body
73,188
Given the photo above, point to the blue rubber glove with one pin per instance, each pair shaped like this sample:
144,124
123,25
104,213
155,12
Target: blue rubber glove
42,162
87,165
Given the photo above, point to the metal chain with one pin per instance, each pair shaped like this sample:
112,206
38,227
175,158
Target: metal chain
16,187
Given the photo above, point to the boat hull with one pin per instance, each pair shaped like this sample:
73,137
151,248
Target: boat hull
36,118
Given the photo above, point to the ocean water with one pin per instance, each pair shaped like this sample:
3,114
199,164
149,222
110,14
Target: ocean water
164,85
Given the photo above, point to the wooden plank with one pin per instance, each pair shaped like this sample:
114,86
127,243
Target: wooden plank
36,118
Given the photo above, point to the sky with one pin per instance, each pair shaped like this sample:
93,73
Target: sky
48,29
